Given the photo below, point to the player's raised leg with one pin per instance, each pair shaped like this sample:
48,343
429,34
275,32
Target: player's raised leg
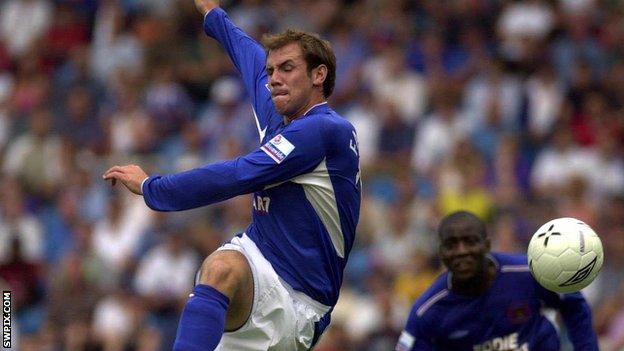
221,300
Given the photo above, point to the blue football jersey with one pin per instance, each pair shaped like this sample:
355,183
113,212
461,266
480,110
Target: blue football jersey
304,177
506,318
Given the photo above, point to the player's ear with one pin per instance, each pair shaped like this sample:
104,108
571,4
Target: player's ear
319,74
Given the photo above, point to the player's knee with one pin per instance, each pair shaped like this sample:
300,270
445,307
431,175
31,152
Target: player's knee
225,272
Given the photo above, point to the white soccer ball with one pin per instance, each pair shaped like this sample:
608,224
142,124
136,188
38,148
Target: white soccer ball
565,255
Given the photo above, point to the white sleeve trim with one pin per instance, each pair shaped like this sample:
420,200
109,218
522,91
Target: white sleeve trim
209,11
432,300
143,183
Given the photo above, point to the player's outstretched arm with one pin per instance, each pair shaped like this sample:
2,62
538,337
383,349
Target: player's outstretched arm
577,317
249,58
132,176
293,152
203,6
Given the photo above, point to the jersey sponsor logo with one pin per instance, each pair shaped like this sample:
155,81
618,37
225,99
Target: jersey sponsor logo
503,343
406,342
261,204
278,148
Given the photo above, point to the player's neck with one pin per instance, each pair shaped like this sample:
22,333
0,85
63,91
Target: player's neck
479,284
313,102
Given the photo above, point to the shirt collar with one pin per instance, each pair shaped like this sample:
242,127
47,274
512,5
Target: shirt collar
320,107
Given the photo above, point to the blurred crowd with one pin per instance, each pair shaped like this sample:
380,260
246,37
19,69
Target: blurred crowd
511,109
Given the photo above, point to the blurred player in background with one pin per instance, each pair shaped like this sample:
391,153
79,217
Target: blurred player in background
274,286
489,301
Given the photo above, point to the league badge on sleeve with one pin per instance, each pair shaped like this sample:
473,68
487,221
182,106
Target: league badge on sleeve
406,342
278,148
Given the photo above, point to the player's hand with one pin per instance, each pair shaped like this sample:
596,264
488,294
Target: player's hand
131,176
203,6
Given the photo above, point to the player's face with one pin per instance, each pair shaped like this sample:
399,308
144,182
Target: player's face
463,250
291,85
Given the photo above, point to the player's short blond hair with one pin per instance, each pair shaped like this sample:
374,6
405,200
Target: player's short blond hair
316,52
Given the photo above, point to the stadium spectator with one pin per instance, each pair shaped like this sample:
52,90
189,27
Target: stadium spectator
116,237
18,228
545,99
115,320
36,157
463,183
32,86
115,48
493,96
129,126
390,80
523,26
225,114
365,117
23,23
558,163
439,132
6,123
162,281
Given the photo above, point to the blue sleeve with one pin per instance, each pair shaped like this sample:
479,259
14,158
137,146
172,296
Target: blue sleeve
577,317
415,336
298,149
249,58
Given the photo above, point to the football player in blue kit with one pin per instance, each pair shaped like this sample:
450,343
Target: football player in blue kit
274,286
489,301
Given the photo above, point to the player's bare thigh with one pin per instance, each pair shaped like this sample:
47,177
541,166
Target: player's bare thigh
229,272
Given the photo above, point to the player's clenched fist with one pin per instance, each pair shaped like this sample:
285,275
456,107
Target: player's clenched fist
132,176
203,6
